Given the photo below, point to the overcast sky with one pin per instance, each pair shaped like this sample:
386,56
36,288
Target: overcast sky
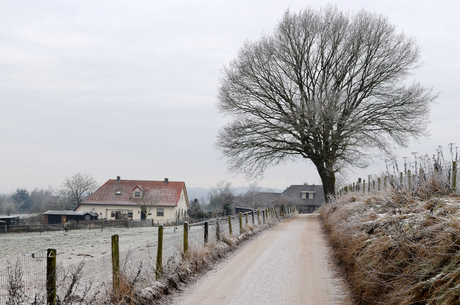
129,88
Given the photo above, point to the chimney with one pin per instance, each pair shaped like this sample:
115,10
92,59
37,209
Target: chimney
166,180
305,183
118,178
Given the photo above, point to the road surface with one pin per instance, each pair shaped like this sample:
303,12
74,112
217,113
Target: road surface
288,264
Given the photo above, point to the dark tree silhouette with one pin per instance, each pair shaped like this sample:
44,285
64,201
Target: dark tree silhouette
327,86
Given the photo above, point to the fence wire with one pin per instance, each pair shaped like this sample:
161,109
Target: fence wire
137,259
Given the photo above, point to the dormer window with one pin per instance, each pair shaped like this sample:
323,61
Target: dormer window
137,192
118,192
307,194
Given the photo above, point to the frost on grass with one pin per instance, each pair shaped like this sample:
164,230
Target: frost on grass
396,246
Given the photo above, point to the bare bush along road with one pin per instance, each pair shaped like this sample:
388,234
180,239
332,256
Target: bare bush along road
288,264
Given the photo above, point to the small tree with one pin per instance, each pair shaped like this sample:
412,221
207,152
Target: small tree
196,211
75,189
250,197
149,200
43,200
22,200
327,86
221,198
8,207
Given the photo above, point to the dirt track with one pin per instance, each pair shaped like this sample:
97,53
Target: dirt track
288,264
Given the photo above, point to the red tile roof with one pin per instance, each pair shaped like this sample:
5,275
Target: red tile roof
167,192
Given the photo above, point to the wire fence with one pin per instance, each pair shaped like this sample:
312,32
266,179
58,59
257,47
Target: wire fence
424,169
73,225
24,277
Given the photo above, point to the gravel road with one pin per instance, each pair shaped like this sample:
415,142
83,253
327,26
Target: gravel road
289,264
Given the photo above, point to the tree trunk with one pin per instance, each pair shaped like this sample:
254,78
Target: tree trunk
328,180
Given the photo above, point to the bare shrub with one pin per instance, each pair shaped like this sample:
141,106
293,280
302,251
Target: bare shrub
15,288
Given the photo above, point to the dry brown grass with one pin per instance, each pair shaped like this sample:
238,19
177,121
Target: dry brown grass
396,247
182,269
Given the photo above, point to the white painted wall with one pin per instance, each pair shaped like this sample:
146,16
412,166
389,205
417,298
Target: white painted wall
170,213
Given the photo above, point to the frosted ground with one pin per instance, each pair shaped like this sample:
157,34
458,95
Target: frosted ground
92,246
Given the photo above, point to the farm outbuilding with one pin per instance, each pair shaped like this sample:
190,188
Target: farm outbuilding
9,220
54,217
243,210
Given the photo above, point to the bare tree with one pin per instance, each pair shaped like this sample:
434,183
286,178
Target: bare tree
221,198
75,189
8,206
250,198
43,200
327,86
149,200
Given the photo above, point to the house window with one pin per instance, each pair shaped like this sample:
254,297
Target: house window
112,214
307,195
160,212
87,217
137,194
130,214
118,192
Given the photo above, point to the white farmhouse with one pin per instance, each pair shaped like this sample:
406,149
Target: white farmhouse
162,201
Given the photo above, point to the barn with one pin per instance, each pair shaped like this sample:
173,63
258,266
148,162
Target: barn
54,217
8,221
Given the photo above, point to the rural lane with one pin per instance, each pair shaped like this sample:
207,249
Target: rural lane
288,264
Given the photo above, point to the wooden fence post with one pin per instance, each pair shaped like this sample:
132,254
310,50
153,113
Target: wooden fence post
258,217
364,185
246,218
115,262
379,182
240,216
230,224
206,231
51,276
454,175
263,216
409,178
159,269
253,220
185,236
217,230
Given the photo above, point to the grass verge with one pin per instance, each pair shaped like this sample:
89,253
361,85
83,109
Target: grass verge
398,247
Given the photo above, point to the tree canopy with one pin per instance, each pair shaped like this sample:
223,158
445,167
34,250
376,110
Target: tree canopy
221,198
75,189
328,86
